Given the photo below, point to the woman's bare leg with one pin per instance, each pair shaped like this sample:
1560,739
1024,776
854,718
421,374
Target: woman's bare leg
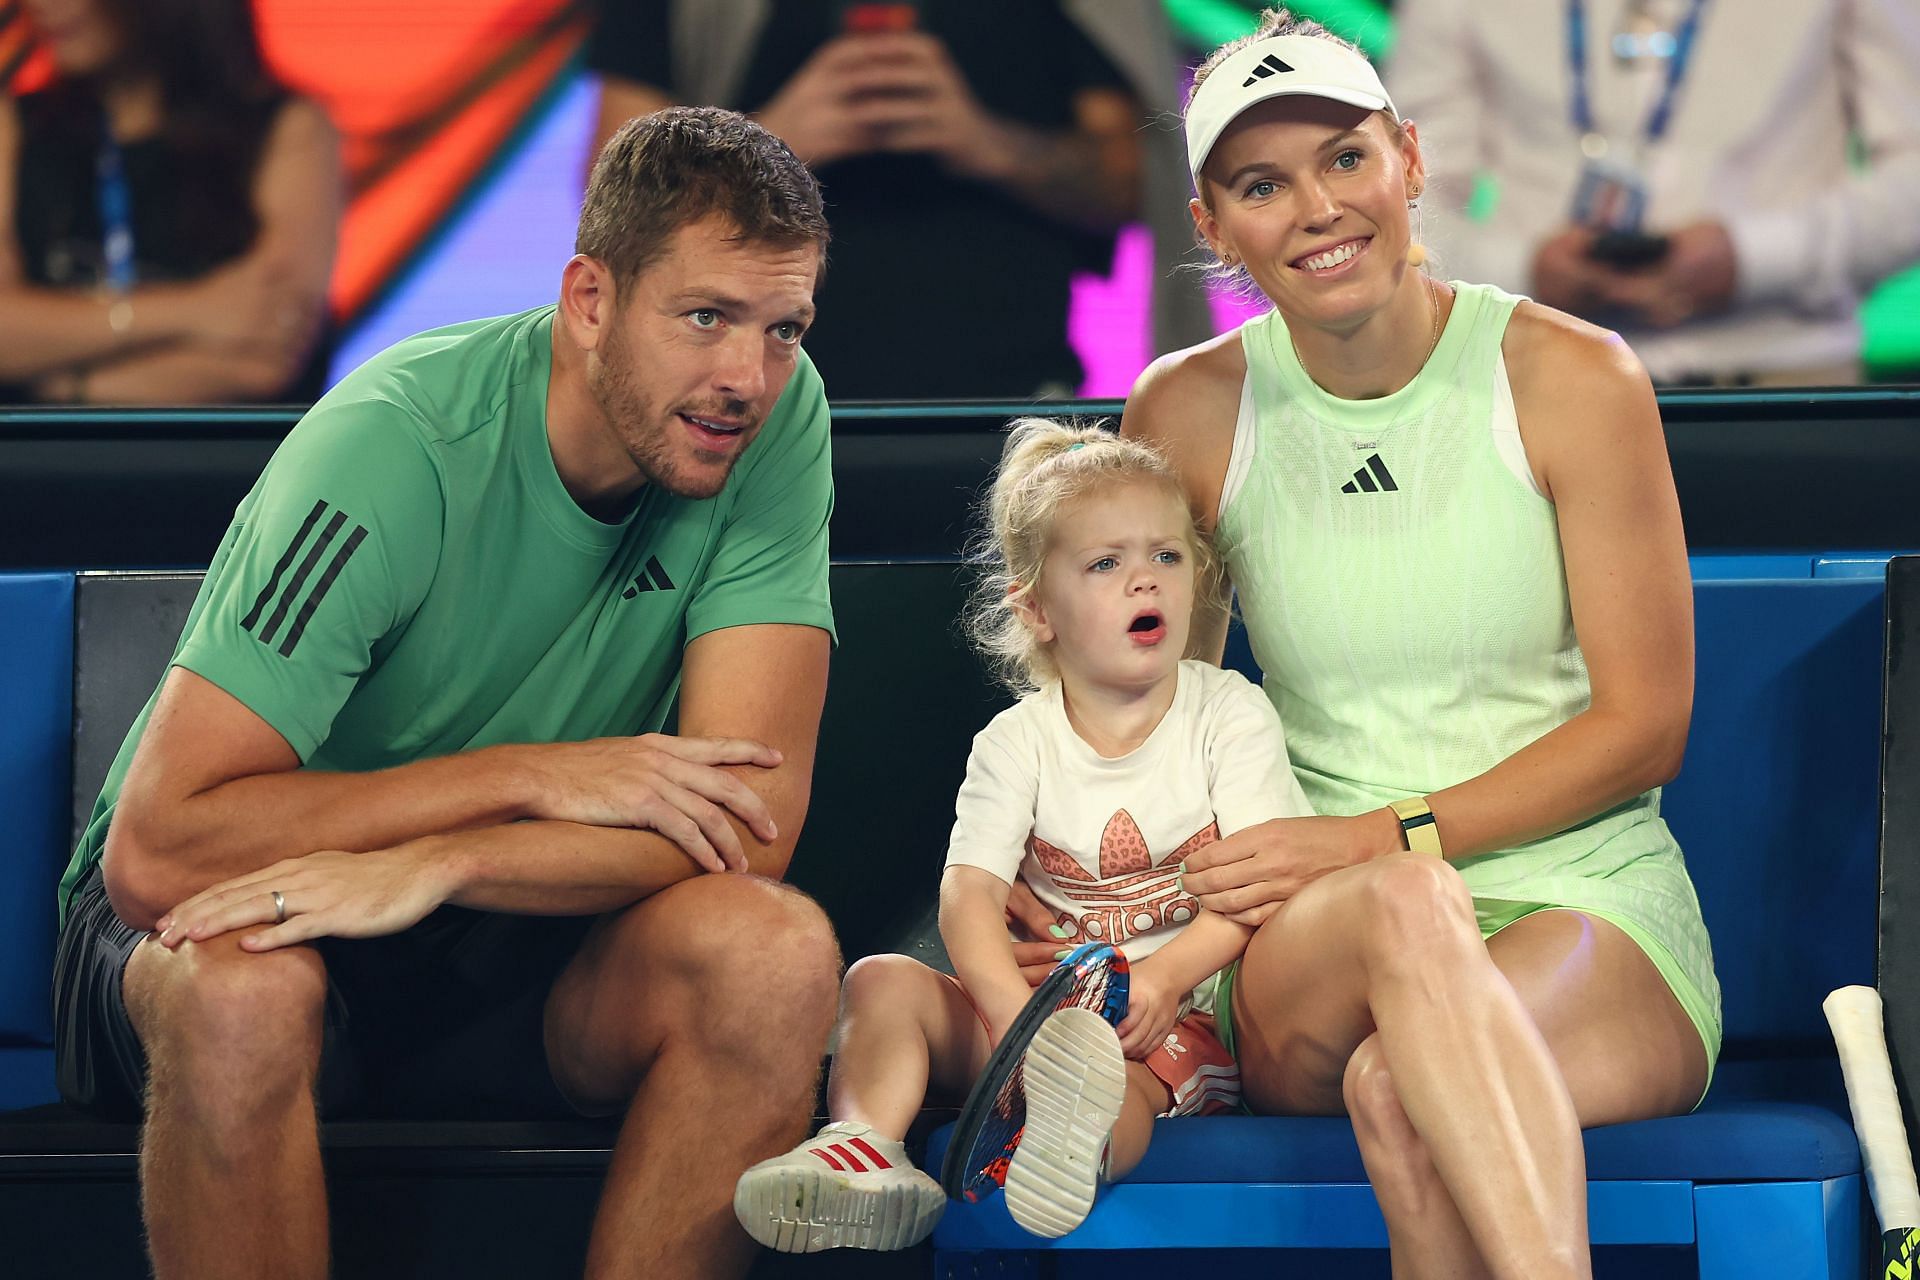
1469,1125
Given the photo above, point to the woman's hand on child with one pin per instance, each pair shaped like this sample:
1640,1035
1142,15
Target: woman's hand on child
1152,1009
1249,875
1029,919
1037,959
1039,935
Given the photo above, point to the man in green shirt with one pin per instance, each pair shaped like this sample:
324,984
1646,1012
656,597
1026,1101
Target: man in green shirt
398,833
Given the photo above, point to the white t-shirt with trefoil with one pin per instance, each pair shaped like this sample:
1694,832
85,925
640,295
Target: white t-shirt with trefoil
1099,840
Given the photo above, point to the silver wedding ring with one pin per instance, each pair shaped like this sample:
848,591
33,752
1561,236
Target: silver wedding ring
279,907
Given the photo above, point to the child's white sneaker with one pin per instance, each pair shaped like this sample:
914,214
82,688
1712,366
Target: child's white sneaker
844,1188
1076,1080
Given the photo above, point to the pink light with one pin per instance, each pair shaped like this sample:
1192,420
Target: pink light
1107,317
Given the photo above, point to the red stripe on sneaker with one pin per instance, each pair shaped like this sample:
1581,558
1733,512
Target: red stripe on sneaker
866,1149
850,1158
826,1155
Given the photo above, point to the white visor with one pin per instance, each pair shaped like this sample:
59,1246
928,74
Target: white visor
1277,67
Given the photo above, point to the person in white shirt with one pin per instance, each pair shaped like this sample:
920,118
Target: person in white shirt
1120,761
1756,164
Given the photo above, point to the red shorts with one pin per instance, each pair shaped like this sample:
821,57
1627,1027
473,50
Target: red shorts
1201,1076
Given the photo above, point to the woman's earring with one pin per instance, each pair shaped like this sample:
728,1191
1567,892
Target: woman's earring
1416,254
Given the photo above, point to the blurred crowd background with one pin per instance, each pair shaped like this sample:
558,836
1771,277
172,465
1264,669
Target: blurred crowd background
217,200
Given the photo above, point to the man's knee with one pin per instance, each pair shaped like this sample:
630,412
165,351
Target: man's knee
225,1022
742,944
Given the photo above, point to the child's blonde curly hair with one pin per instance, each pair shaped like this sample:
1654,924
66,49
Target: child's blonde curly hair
1045,466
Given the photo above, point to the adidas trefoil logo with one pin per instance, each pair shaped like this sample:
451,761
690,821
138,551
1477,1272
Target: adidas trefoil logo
651,578
1364,479
1269,66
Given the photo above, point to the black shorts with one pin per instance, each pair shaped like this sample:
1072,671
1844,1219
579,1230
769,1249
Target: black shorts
443,1021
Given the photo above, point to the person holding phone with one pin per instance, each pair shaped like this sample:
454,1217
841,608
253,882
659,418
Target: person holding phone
1680,170
1000,141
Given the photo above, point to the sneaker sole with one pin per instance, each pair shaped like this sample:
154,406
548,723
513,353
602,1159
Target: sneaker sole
1076,1080
801,1210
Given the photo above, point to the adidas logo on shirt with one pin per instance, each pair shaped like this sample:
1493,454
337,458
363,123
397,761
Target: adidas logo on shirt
1372,478
1269,66
651,578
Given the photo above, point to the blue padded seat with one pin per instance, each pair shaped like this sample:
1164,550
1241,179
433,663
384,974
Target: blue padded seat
1731,1143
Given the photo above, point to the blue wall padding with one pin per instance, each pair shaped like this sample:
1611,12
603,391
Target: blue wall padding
1777,804
36,694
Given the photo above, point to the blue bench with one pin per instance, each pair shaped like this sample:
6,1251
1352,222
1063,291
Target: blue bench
1776,807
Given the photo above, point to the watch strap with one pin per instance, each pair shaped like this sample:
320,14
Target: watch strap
1417,825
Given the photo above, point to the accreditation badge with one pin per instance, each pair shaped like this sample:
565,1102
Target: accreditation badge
1612,192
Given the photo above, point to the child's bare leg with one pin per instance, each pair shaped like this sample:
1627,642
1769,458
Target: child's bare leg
852,1185
1147,1097
906,1033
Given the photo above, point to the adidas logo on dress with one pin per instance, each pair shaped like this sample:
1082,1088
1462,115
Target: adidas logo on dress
1372,478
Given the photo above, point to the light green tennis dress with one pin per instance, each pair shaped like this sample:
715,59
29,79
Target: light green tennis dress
1401,579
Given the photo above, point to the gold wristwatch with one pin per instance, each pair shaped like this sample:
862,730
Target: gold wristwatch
1417,826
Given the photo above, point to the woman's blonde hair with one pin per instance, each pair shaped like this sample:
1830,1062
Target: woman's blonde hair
1045,466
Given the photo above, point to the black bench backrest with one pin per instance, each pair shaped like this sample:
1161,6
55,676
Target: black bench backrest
905,700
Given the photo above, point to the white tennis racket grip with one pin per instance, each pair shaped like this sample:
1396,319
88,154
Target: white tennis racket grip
1859,1032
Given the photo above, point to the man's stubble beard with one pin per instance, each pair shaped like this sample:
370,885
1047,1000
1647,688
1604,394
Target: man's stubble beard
641,428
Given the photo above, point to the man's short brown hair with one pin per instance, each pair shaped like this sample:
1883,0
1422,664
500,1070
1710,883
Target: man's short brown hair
660,172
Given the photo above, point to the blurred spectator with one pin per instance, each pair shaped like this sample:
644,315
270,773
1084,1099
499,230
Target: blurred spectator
168,213
1757,165
975,154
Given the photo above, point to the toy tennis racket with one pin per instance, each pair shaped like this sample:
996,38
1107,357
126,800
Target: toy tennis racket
1093,976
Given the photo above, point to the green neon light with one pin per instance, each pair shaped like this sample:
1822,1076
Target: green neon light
1206,23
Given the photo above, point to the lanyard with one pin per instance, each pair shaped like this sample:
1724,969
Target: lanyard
1662,114
116,217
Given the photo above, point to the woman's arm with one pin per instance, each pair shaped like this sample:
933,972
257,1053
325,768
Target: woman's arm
254,320
1187,405
1592,431
973,907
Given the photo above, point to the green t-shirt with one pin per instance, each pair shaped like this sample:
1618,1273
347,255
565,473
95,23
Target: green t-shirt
409,578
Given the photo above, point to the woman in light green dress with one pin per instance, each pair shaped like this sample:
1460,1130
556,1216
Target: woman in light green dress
1453,535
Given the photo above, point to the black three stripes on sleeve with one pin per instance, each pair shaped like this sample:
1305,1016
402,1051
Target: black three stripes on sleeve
298,582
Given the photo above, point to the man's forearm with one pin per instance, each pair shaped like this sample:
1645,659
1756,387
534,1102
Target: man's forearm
162,853
556,868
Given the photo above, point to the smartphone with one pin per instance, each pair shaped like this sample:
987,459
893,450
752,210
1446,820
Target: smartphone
870,17
1627,249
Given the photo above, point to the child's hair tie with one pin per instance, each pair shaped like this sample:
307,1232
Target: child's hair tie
1077,444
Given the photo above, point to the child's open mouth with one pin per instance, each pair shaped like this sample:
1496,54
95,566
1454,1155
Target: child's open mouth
1148,629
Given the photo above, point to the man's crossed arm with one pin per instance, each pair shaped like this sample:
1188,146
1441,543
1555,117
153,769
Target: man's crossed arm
215,816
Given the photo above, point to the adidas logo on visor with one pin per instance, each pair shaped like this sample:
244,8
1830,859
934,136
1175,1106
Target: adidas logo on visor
1269,66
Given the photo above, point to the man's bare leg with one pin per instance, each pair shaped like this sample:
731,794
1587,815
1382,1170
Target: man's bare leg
704,1012
230,1177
